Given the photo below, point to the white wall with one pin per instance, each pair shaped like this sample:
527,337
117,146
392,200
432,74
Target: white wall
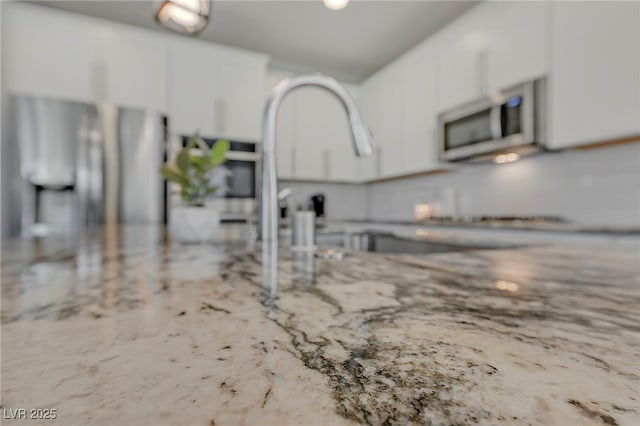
599,187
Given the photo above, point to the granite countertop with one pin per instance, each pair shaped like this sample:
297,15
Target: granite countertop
123,328
556,226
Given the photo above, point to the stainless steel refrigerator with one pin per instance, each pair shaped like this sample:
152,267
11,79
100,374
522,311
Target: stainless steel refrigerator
69,166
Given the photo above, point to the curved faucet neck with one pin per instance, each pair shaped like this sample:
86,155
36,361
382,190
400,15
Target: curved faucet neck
269,202
285,86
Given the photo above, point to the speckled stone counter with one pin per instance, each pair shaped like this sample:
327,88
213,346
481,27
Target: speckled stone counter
126,329
556,226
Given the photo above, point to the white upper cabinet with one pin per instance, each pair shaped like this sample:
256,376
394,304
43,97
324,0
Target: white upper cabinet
285,149
134,72
493,46
367,167
313,138
215,91
60,55
201,86
47,53
460,60
240,106
193,90
419,117
399,104
313,124
341,156
518,37
595,84
383,112
388,129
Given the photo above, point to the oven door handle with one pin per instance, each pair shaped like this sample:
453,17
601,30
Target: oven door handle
242,156
495,122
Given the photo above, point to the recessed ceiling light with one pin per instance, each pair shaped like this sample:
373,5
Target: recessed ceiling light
336,4
184,16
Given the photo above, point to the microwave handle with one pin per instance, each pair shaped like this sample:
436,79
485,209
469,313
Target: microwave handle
494,122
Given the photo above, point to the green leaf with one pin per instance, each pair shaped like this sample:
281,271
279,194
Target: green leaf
211,190
218,152
182,160
199,162
192,169
172,173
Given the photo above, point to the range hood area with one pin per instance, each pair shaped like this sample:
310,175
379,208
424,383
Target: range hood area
500,127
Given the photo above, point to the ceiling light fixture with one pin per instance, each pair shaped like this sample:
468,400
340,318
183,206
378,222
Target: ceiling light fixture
506,158
184,16
336,4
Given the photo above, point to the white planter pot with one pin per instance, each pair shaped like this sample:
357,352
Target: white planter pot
194,224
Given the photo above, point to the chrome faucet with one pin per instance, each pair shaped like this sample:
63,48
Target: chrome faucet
269,199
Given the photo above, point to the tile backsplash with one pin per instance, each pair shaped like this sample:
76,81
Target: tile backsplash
343,201
599,187
591,187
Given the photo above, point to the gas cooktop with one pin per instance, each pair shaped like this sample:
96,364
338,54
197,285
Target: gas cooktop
479,219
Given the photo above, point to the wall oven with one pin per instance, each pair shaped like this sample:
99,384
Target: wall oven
238,182
511,120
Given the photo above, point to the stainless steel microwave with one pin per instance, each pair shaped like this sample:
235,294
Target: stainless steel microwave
511,120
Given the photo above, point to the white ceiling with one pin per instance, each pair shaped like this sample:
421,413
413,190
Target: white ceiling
349,44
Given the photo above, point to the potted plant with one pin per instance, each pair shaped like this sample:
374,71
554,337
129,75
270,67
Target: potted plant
193,170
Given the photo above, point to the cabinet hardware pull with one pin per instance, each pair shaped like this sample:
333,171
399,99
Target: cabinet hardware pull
326,163
293,161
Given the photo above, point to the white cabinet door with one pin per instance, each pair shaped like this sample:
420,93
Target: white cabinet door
284,130
135,69
462,50
458,68
323,146
367,167
285,138
313,138
311,130
383,112
595,84
404,119
392,149
518,39
193,71
66,56
385,119
216,91
47,53
419,119
341,153
493,46
239,108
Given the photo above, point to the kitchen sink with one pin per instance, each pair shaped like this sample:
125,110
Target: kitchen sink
387,242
